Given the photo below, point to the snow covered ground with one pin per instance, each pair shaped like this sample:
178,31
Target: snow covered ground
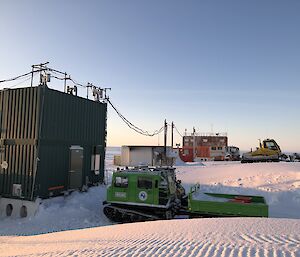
197,237
279,183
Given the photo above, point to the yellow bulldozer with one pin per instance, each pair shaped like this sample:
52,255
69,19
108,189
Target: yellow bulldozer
268,151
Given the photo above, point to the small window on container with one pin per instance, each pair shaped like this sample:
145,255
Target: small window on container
144,183
220,147
213,148
121,182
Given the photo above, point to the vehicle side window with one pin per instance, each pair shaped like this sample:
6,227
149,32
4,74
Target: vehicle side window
121,182
145,183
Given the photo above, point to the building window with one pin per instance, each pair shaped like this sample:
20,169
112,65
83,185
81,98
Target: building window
213,148
144,183
204,140
220,148
121,182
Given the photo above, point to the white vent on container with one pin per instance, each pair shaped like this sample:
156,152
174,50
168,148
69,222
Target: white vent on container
17,190
95,163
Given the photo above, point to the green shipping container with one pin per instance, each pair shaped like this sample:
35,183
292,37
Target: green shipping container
51,142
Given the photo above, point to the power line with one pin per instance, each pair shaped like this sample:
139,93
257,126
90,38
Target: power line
178,131
69,78
18,77
43,69
27,77
20,82
50,70
66,78
77,84
52,74
132,126
23,75
135,128
170,125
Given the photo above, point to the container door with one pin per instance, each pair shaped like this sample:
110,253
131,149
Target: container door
76,165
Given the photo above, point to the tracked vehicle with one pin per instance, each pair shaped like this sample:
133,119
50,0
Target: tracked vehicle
141,194
268,151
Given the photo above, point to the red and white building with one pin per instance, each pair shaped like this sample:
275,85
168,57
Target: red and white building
203,147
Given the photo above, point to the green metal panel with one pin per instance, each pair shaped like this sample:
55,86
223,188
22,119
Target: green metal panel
38,127
69,118
67,121
52,174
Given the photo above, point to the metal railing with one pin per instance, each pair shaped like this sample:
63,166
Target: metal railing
206,134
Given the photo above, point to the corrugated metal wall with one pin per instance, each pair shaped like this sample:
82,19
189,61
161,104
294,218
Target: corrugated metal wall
66,120
20,159
19,111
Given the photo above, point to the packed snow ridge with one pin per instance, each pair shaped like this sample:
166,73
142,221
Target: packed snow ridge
196,237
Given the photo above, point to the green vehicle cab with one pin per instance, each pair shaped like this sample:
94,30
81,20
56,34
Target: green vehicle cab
151,192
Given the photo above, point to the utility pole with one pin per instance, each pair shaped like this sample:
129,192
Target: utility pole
194,144
172,135
32,66
165,137
65,82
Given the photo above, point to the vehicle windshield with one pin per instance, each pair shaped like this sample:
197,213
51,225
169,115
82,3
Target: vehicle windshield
271,145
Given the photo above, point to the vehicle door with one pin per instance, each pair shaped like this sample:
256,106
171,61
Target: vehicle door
145,190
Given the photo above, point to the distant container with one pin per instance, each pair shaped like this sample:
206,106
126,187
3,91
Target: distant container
135,155
51,142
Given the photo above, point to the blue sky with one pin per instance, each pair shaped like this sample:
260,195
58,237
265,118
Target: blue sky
232,66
